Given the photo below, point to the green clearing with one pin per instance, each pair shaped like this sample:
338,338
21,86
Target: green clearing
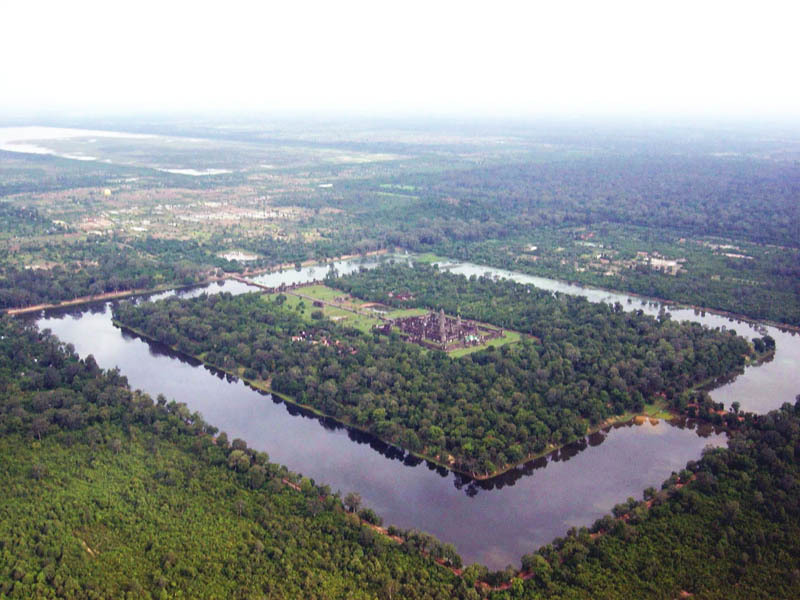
304,307
321,292
406,312
296,301
508,337
653,410
429,258
398,195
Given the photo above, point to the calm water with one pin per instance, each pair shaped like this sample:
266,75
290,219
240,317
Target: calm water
759,390
493,523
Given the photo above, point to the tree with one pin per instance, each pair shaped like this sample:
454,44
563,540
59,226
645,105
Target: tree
352,501
238,460
258,475
39,426
38,471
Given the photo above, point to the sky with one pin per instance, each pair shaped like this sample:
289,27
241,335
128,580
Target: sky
609,57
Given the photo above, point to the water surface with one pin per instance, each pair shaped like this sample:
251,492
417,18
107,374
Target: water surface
491,522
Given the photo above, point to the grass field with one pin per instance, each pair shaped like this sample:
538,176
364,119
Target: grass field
406,312
429,258
508,337
351,313
321,292
342,316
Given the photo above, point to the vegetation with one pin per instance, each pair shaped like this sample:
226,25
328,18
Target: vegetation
725,527
759,281
479,413
91,269
20,221
635,193
109,494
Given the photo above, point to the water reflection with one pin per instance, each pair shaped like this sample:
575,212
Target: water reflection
469,485
493,521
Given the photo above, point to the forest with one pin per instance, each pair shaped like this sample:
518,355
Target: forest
581,364
90,269
110,493
761,282
738,198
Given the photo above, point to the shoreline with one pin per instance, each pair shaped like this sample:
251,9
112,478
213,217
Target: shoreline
676,304
106,296
262,386
21,310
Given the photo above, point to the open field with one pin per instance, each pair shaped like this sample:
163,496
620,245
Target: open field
508,337
429,258
353,312
406,312
296,301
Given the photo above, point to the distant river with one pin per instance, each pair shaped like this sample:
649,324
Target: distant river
494,522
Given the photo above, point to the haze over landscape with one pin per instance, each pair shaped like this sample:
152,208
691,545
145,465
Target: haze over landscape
362,300
622,58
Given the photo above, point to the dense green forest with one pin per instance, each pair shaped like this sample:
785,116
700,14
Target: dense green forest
739,198
91,268
111,494
478,414
107,493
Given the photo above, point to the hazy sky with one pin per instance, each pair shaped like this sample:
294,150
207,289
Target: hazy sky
504,58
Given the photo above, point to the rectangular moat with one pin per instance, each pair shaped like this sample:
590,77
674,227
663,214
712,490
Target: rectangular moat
490,522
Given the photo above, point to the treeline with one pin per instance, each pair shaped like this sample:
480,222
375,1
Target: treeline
700,195
193,252
120,263
764,286
477,414
91,270
107,493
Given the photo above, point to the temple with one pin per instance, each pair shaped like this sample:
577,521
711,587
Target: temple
437,330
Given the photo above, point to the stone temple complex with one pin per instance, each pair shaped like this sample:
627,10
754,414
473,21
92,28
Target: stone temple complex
437,330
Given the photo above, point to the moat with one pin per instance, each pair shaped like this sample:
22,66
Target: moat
493,522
